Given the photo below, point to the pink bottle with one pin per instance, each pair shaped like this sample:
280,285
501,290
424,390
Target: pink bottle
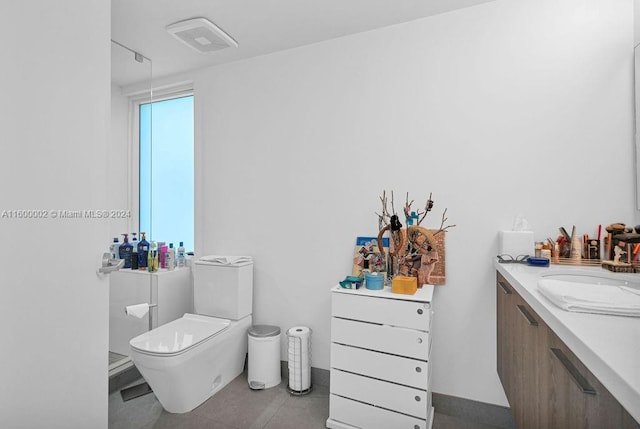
164,249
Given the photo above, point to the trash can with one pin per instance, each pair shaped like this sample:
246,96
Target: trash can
264,357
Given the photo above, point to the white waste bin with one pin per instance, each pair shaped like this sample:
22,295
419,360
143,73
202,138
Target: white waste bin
264,357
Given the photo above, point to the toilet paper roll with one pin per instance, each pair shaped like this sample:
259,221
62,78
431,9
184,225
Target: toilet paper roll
137,310
299,352
299,331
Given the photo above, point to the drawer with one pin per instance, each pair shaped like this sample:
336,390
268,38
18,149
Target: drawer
395,397
395,312
399,341
401,370
357,414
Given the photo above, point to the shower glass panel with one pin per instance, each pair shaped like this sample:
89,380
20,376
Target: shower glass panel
131,74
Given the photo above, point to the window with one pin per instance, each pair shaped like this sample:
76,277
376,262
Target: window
166,173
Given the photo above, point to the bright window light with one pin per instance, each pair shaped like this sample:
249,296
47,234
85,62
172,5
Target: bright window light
166,171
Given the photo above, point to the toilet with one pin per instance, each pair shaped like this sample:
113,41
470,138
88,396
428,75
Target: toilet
188,360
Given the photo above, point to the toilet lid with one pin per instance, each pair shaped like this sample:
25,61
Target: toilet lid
179,335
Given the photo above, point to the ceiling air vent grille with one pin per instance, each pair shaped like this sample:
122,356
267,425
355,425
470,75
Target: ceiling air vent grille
202,35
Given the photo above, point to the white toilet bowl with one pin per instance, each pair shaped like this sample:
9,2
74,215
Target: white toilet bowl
190,359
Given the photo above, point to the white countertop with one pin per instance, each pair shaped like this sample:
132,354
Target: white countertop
608,345
423,294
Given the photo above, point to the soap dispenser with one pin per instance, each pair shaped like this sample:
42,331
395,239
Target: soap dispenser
143,250
126,250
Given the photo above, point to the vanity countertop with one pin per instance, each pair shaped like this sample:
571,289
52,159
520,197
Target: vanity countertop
608,345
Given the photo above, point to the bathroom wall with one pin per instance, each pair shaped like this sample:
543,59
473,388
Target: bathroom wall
501,109
54,117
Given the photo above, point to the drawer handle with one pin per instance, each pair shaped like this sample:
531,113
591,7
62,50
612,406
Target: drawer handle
416,427
530,320
419,340
417,398
578,378
420,311
504,288
418,369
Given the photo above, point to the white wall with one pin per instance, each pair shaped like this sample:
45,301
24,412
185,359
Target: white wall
504,108
54,116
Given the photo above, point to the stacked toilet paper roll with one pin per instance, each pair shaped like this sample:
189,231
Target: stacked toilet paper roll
299,358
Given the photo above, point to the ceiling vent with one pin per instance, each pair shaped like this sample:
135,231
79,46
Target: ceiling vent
202,35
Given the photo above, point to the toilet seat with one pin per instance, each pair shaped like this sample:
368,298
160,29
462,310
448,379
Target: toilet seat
179,336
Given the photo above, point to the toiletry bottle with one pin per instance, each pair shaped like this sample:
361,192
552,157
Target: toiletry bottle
171,257
576,248
115,248
152,258
126,249
163,255
538,250
134,252
143,250
546,251
181,258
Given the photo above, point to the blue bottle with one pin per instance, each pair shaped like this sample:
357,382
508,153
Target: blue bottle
143,251
126,250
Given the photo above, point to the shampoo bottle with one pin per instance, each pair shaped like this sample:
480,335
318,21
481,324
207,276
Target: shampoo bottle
171,257
126,249
181,258
143,250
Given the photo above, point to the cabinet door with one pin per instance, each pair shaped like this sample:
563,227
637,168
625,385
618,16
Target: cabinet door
504,301
530,379
522,360
577,399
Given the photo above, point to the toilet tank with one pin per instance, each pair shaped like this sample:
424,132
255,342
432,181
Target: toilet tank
221,290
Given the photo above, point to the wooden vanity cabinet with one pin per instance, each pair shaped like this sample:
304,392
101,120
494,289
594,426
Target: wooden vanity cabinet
522,362
546,385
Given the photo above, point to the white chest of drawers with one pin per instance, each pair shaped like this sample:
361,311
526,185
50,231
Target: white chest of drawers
380,359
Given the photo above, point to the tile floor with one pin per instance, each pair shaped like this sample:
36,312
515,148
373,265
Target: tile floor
238,407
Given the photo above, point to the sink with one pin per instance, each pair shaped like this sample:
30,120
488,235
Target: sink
591,277
588,291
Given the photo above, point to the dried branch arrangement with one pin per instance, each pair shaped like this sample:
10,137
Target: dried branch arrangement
411,249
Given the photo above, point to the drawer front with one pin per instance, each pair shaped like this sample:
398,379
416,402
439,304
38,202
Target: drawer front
399,341
410,372
409,314
361,415
402,399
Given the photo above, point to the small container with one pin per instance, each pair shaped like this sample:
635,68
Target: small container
374,281
593,249
538,250
546,251
405,285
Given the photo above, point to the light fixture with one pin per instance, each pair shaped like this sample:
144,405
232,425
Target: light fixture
201,34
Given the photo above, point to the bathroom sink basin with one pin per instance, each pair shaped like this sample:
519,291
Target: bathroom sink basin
604,278
586,291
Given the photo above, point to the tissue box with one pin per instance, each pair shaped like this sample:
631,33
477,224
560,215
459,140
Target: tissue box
516,243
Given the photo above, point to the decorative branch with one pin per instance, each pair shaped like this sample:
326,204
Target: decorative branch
427,208
442,227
